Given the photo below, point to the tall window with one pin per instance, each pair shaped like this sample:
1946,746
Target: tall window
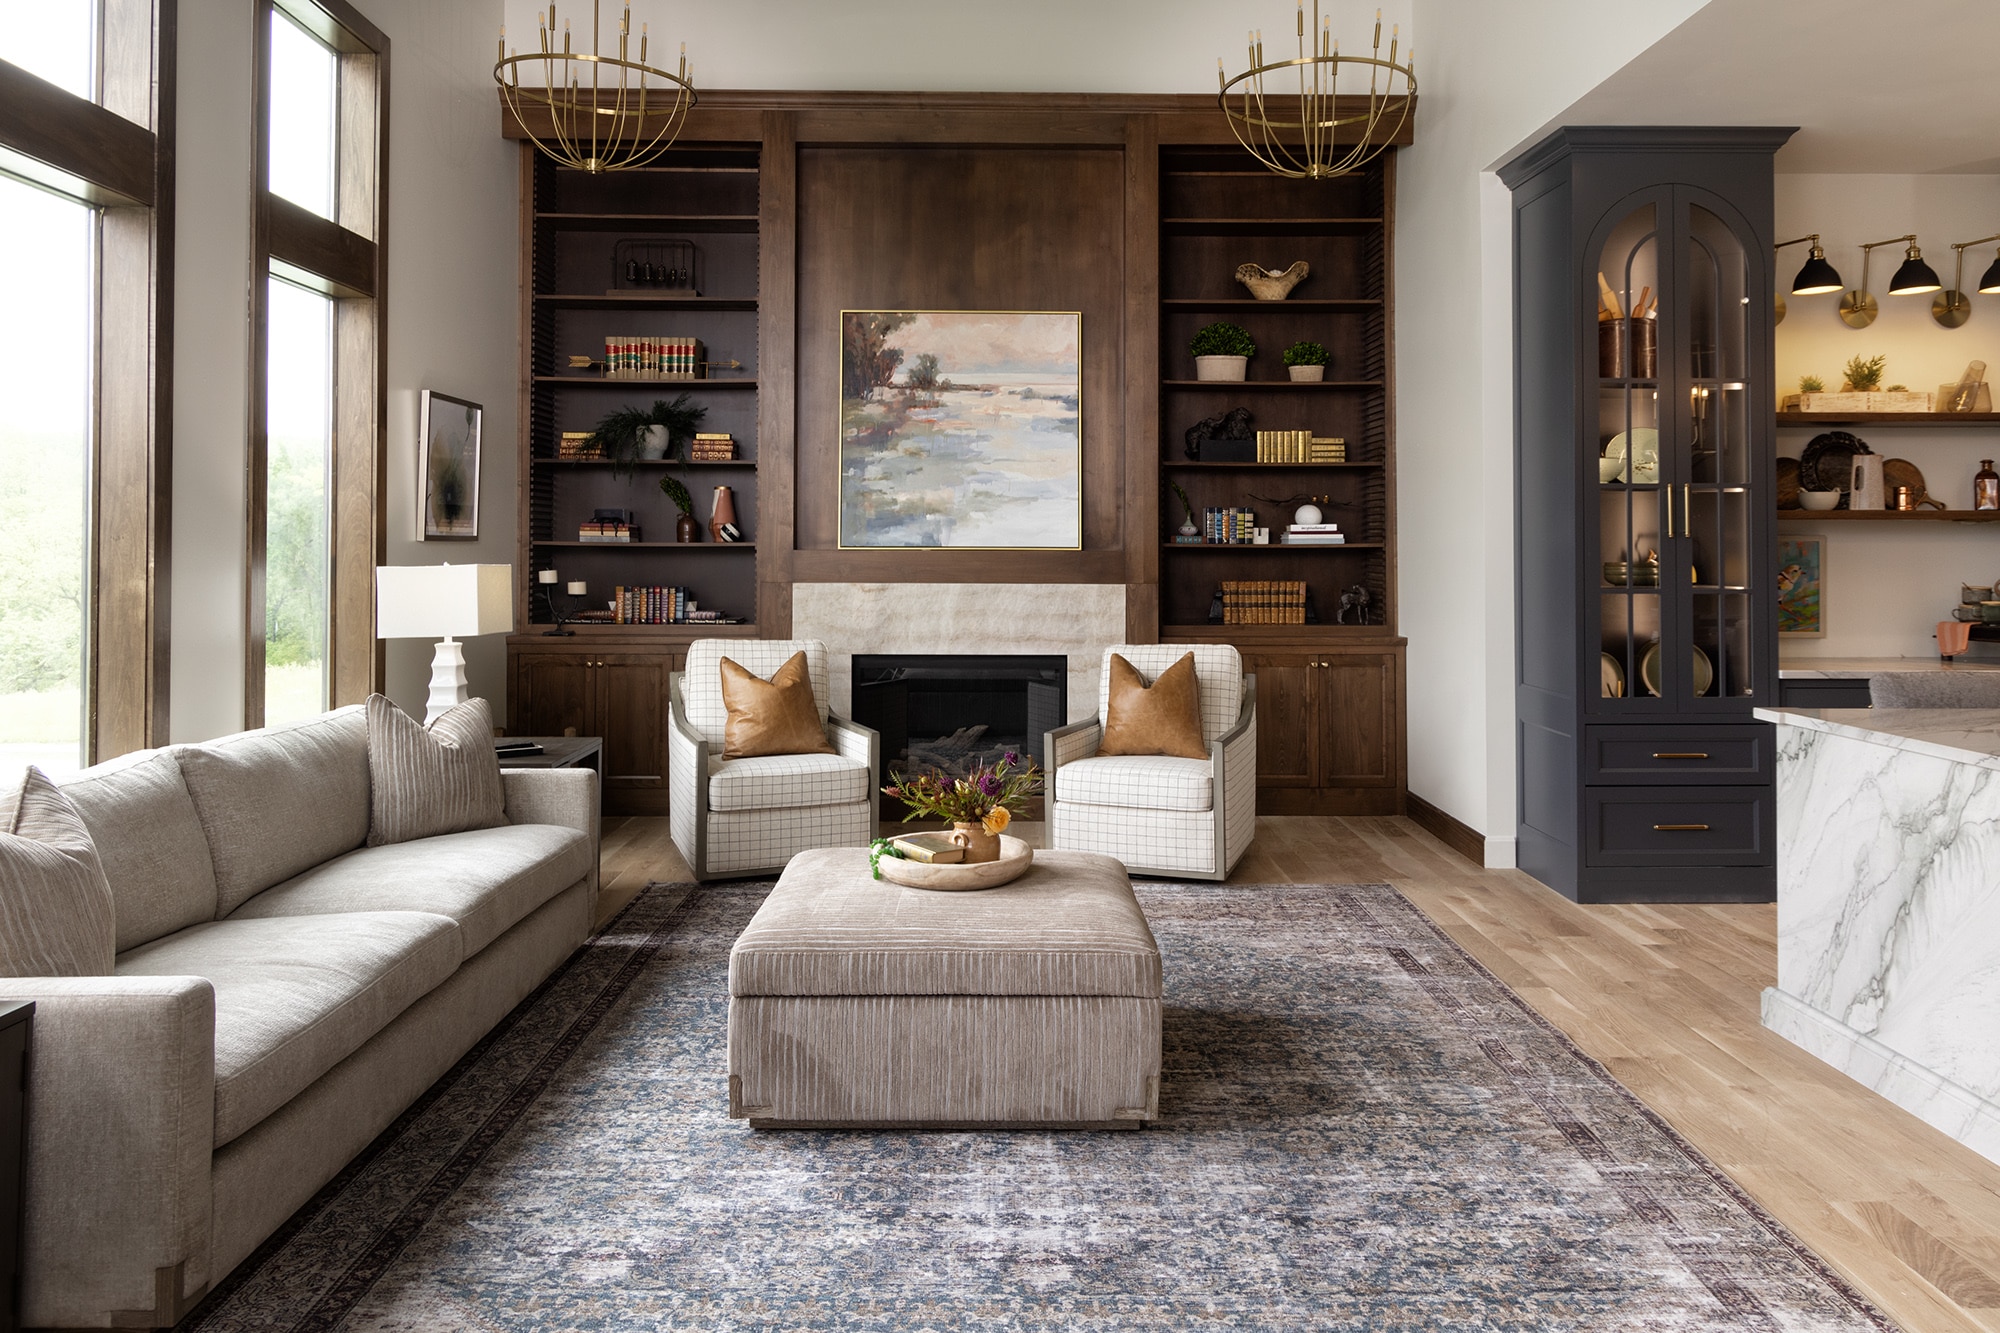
86,228
315,456
45,465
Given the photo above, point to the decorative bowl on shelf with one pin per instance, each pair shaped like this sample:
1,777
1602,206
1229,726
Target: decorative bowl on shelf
1015,858
1645,574
1819,501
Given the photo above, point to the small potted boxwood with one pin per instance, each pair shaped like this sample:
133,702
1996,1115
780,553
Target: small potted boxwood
1306,361
1222,351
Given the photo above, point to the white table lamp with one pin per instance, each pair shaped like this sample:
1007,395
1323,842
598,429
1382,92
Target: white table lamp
452,601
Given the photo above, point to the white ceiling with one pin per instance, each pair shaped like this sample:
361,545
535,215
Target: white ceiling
1908,87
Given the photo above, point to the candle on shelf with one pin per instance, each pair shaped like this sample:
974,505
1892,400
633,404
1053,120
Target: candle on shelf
578,587
546,575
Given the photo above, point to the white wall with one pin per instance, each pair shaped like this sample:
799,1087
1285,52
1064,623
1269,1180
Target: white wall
452,323
1488,82
1888,584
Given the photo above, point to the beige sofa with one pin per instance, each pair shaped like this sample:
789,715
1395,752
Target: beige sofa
282,992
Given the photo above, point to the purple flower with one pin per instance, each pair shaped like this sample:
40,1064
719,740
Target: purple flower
989,784
1010,758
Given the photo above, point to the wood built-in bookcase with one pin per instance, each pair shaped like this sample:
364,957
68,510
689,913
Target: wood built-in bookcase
1218,210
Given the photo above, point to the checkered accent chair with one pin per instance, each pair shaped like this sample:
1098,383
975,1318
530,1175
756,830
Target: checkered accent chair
743,817
1183,818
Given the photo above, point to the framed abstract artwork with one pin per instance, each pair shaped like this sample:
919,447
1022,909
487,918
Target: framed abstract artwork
961,429
1802,587
448,468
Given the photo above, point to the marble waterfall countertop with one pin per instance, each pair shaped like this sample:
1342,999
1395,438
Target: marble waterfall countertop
1862,668
1888,848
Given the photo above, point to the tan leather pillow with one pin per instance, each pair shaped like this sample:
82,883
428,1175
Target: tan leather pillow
1164,718
775,716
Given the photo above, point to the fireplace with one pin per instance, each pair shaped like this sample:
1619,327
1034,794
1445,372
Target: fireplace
951,711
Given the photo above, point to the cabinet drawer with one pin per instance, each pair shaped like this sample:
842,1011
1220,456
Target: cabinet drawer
1671,756
1678,826
1819,692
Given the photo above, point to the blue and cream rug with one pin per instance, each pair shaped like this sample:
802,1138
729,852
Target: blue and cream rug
1360,1128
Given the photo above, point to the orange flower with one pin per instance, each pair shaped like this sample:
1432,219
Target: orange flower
996,821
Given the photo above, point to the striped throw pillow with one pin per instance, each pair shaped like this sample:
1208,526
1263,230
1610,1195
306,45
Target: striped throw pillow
55,903
423,781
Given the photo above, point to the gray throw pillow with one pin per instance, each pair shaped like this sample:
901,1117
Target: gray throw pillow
423,781
55,903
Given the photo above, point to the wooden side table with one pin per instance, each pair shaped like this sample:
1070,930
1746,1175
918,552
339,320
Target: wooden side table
17,1028
559,752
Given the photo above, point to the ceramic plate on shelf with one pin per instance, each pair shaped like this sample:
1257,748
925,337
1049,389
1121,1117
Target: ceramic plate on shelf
1643,445
1649,670
1612,672
1827,463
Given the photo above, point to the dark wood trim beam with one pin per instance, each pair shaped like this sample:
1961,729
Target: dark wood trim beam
934,565
1140,513
777,367
301,242
55,138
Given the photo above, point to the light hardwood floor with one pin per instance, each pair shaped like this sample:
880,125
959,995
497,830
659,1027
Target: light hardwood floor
1667,998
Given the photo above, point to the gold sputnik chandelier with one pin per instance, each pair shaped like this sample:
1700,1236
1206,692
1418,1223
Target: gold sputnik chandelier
603,112
1317,142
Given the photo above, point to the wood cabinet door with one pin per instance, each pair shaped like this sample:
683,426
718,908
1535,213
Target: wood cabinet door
631,716
1357,704
551,695
1288,743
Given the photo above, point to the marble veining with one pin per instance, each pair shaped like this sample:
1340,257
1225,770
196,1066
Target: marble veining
1079,620
1889,905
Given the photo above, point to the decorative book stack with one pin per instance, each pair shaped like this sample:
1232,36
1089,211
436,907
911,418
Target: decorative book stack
1300,446
578,444
1314,534
713,447
1230,525
1264,602
637,356
611,533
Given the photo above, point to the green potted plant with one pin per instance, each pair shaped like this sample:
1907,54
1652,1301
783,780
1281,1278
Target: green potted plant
1306,361
685,528
1222,351
1864,374
663,430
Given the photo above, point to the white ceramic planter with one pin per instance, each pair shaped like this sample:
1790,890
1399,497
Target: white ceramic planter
1221,367
654,443
1306,374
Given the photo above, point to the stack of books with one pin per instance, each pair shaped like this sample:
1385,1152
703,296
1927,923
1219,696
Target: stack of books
1326,449
1314,534
578,444
1264,602
713,447
1230,525
637,356
609,531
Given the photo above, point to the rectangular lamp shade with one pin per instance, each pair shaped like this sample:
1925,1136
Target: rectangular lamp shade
439,601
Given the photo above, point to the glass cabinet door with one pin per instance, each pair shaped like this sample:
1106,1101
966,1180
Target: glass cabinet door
1625,469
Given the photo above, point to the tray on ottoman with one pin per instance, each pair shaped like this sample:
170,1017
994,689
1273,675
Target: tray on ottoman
858,1002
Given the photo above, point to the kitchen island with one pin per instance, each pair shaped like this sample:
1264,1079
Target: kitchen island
1888,849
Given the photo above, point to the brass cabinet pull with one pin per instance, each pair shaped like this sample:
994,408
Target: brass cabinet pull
1680,828
1672,754
1687,510
1668,492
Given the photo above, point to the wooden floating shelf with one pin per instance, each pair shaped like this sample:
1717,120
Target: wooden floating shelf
737,222
1294,467
641,300
1248,303
1889,515
1233,547
1274,386
644,462
1217,632
1888,418
600,382
654,546
1268,226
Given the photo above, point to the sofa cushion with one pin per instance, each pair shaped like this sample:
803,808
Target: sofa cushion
484,879
295,996
701,680
1218,666
1148,782
771,717
430,778
55,906
278,801
782,781
150,840
1163,717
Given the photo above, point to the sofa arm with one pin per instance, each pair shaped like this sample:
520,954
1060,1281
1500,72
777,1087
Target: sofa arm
1066,745
863,745
566,797
121,1127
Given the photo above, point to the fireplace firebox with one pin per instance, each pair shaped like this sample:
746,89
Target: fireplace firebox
952,711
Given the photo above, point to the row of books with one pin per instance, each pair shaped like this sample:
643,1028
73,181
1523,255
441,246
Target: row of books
638,356
1264,602
713,447
1229,525
662,606
1300,446
1313,534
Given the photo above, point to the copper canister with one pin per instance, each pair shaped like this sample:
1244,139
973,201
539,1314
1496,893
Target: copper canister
1905,499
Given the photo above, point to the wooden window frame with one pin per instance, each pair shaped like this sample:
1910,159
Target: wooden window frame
117,153
348,260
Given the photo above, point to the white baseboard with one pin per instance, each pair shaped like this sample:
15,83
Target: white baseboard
1502,853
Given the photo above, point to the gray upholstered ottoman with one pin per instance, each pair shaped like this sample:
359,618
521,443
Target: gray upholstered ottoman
854,1001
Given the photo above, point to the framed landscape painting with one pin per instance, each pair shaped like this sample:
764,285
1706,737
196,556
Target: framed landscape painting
961,428
448,467
1802,587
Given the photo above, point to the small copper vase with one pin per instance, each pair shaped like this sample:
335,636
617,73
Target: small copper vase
686,529
978,843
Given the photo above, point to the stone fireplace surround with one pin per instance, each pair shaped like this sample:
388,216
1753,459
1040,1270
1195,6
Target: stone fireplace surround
1078,620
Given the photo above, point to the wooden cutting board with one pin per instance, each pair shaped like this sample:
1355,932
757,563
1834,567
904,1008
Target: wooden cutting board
1788,483
1901,472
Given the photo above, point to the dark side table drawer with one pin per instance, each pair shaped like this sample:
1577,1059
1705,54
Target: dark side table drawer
1670,756
1678,826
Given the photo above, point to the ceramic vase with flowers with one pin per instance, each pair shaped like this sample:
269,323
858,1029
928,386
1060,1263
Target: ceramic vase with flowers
979,805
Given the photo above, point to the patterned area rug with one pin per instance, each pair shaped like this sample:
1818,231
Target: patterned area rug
1361,1128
